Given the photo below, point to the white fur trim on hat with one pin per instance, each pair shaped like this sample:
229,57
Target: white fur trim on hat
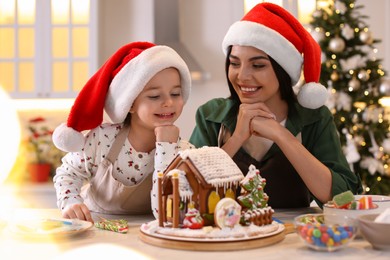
312,95
132,78
246,33
68,139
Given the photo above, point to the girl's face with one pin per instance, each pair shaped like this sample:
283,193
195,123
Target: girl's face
160,102
252,75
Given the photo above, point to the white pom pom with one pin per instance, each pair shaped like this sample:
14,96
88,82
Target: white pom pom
312,95
67,139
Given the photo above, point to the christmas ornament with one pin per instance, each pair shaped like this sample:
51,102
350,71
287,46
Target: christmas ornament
323,57
353,84
384,87
366,37
355,118
356,61
351,153
318,34
368,51
332,96
374,149
372,114
347,32
386,145
334,76
372,165
340,7
363,75
336,45
344,102
317,13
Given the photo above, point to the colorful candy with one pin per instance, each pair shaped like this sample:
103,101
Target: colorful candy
320,235
346,200
312,229
116,225
343,199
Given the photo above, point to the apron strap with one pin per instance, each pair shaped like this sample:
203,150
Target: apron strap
117,144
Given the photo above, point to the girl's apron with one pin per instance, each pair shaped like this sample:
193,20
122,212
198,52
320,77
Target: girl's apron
106,195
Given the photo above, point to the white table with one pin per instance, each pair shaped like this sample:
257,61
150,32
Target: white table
110,245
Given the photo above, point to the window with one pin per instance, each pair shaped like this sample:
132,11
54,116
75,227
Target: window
48,47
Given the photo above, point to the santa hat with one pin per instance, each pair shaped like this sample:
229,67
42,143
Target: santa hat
114,87
275,31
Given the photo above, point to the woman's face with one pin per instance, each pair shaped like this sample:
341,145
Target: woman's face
160,102
252,75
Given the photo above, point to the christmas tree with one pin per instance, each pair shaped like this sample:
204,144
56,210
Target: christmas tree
252,195
356,83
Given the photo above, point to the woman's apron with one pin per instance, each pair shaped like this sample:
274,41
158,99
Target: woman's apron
284,187
106,195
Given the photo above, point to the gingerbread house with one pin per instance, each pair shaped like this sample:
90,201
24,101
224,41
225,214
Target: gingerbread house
197,177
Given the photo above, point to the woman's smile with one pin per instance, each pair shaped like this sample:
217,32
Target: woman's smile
247,89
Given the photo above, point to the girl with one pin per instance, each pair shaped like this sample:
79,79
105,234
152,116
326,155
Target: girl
142,88
292,140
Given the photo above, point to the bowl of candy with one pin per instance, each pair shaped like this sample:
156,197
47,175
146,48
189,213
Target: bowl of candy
347,204
325,232
375,228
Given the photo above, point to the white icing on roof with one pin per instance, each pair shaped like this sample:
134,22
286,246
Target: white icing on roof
215,165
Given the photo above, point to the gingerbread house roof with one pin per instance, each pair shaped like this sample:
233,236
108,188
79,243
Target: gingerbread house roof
215,165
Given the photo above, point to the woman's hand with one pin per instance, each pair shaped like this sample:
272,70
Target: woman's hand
167,133
246,114
266,127
79,211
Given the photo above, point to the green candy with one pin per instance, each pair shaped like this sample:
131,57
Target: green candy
343,198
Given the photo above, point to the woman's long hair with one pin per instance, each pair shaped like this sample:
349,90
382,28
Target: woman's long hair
285,84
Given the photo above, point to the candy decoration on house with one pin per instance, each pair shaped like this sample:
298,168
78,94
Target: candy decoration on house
254,200
192,219
227,213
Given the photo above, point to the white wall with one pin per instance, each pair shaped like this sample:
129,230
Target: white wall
379,24
203,37
203,24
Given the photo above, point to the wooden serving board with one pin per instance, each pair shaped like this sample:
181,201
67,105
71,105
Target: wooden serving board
289,228
227,245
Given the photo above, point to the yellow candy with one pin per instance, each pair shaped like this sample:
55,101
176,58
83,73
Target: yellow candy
330,242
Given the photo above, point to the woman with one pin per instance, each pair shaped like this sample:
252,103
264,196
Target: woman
292,140
142,88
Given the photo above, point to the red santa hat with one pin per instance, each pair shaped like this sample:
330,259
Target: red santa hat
275,31
114,87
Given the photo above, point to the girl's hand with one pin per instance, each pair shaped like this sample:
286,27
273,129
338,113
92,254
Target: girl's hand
167,133
79,211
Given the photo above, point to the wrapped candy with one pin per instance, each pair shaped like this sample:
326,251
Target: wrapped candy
116,225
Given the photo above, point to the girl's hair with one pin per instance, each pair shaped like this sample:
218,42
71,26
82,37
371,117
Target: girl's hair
285,84
127,119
